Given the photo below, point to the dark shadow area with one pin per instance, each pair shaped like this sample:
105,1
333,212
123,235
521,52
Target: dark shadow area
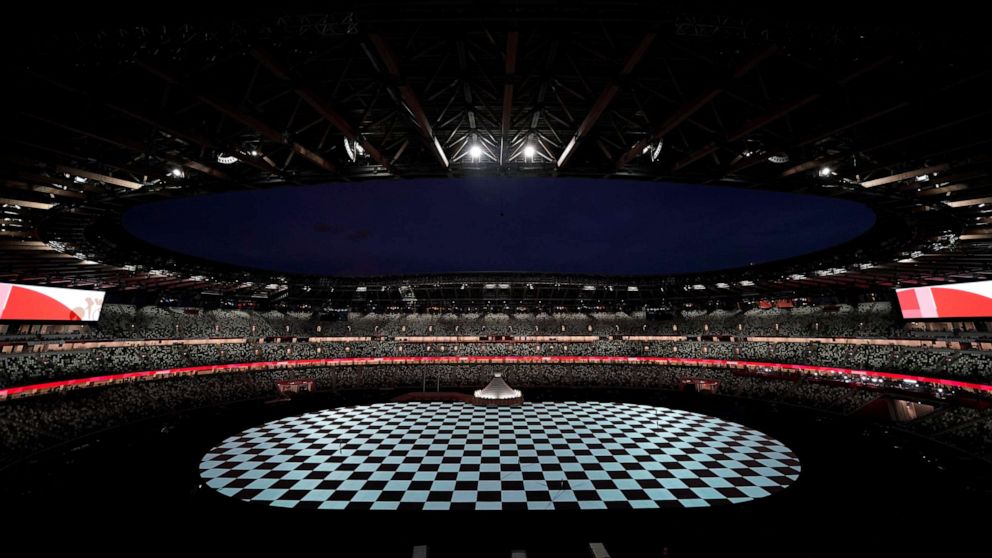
864,489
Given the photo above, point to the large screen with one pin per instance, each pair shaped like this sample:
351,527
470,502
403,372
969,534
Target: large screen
49,304
961,300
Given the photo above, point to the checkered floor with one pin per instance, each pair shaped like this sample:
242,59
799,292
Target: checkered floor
538,456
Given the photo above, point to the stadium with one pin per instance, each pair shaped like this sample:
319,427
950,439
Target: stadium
497,279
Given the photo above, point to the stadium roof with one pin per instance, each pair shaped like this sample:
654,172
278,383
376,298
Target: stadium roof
110,113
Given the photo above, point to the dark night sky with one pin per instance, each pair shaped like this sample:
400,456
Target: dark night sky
563,225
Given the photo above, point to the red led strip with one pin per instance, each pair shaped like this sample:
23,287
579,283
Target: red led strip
35,389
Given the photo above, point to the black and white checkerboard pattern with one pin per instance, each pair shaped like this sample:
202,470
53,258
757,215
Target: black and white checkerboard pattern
536,456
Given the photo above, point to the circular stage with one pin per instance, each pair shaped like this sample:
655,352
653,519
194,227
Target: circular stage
536,456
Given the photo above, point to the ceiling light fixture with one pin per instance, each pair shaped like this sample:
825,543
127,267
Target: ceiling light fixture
529,152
